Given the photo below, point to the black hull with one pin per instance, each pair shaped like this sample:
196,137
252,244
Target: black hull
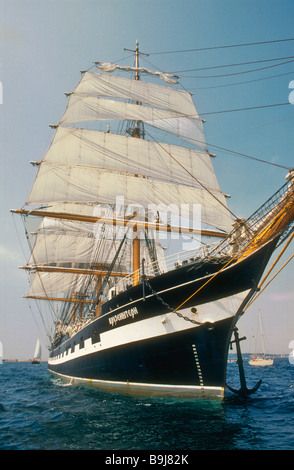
195,358
182,361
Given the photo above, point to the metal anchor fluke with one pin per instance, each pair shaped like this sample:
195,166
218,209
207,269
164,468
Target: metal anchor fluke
244,390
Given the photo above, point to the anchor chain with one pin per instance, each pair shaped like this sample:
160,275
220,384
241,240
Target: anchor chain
172,310
244,390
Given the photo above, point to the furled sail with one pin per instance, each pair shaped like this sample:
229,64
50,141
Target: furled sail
108,67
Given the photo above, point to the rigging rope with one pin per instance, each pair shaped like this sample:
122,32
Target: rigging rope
222,47
211,278
197,142
245,109
233,65
238,73
270,270
277,259
242,155
241,83
250,157
272,278
232,259
194,177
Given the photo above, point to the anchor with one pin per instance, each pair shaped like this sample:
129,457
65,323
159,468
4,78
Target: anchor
243,391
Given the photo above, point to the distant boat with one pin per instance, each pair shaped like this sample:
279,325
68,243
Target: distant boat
37,354
261,360
1,353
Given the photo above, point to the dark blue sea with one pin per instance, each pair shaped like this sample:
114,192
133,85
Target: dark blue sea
38,412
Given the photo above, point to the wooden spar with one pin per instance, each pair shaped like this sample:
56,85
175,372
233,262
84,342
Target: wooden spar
59,299
59,269
98,308
136,260
122,223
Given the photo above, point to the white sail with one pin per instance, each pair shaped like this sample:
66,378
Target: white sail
83,166
61,248
74,146
51,225
60,183
88,108
37,353
117,177
70,281
47,284
1,352
170,99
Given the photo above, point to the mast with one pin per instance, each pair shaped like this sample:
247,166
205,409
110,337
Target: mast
261,333
136,132
136,239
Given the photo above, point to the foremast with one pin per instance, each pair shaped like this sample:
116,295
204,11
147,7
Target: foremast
137,133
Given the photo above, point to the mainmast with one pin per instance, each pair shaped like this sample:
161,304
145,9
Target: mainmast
137,133
136,241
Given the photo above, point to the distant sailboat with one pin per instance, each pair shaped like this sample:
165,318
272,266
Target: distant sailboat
1,353
262,360
37,354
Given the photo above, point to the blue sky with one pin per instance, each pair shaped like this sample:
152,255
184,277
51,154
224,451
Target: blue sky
45,43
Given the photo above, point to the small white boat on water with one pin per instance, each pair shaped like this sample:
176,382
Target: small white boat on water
37,355
261,360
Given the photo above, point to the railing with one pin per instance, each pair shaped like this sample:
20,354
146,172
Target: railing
236,242
165,264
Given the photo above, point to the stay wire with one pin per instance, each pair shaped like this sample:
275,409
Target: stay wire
238,73
234,152
199,182
241,83
249,156
222,47
267,284
245,109
234,65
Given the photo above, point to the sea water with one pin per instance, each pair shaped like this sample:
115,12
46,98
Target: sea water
38,412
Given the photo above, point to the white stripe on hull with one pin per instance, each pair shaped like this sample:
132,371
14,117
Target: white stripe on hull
133,388
155,326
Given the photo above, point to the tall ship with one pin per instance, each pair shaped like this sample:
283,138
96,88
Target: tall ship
142,268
